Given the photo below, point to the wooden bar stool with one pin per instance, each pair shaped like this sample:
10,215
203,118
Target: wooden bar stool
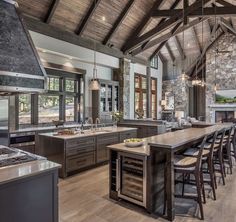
233,142
207,158
187,166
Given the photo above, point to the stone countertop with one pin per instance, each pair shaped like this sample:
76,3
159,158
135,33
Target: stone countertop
24,170
170,140
143,150
88,133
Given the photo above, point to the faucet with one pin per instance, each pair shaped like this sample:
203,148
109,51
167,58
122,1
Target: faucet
90,120
97,121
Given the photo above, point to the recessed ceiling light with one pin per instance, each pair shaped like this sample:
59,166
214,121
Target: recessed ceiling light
103,18
188,44
44,50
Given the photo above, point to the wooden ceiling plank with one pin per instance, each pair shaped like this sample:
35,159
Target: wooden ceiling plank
162,58
51,11
118,22
166,36
209,11
155,31
87,17
157,50
172,57
179,47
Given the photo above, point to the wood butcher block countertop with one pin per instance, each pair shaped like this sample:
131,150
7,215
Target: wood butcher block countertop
24,170
171,140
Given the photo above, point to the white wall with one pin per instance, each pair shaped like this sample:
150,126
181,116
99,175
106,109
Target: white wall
64,53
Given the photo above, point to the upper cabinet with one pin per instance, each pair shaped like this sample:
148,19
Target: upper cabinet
106,100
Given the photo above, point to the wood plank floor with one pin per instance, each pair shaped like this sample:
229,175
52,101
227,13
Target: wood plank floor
84,198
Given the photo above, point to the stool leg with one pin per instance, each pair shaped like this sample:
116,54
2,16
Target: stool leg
222,171
202,186
212,177
199,196
230,158
183,184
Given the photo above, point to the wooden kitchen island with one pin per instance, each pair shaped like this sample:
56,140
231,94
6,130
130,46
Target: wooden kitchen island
137,174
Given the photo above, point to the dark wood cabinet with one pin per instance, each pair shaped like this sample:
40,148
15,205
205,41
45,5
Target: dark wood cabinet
103,141
127,135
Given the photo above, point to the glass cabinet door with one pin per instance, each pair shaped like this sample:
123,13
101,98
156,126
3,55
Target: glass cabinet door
109,98
116,98
103,98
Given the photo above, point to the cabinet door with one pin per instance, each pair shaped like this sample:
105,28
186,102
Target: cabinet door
127,135
103,141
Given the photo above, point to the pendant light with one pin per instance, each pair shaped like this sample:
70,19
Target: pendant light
215,86
94,83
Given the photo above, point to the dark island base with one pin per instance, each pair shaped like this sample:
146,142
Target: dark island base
31,199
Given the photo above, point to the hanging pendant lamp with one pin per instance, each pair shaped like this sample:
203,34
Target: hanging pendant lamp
94,84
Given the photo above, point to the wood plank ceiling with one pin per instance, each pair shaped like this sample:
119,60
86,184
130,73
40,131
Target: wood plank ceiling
142,28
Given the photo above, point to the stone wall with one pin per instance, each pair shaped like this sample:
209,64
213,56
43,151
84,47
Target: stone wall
180,90
222,72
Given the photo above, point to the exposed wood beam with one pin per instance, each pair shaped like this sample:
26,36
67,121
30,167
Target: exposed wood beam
179,47
172,57
167,36
186,4
54,32
196,38
145,21
224,3
209,11
165,25
224,29
211,41
161,57
176,2
158,49
51,11
227,25
87,17
118,21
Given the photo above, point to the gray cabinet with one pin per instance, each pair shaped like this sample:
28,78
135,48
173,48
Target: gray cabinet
103,141
127,135
106,100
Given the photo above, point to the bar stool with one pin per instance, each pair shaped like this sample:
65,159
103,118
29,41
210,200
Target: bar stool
207,158
233,142
187,166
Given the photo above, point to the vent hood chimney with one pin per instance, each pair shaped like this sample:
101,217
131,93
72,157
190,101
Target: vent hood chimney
21,70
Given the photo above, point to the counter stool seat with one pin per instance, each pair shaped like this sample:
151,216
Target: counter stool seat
185,162
208,146
193,152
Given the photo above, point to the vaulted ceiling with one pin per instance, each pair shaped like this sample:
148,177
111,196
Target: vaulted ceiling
142,28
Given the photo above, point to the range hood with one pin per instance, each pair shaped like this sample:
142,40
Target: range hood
21,70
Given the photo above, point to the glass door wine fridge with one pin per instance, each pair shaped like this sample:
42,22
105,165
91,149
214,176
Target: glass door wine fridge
131,178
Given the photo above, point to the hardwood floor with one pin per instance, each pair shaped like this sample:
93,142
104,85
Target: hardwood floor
84,198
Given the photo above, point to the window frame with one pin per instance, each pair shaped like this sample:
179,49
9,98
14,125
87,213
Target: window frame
78,94
140,91
154,92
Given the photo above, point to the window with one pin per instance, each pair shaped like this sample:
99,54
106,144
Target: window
70,109
53,83
154,97
141,95
48,108
25,109
70,85
154,62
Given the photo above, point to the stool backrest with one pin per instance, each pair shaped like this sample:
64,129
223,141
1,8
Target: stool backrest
213,143
234,133
222,133
229,134
199,156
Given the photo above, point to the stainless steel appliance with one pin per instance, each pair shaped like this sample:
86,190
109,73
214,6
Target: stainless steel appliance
131,178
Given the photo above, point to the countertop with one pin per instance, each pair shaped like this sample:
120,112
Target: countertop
24,170
88,133
170,140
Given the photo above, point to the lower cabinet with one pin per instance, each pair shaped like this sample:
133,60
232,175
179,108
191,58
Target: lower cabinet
103,141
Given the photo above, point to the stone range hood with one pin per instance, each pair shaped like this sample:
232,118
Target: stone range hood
21,70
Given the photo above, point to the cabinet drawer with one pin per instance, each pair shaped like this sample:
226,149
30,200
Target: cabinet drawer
152,131
80,150
102,154
127,135
79,162
108,139
80,142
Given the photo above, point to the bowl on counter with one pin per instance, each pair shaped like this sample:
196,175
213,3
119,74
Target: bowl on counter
133,142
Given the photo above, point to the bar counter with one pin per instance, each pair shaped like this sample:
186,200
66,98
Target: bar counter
159,151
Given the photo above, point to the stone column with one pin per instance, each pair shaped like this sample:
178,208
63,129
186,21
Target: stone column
123,76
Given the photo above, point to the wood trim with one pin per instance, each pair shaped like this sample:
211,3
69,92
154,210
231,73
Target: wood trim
54,32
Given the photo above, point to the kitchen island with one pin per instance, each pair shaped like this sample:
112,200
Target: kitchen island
29,191
83,150
137,174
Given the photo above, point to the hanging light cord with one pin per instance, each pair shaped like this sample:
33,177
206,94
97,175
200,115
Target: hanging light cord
202,39
183,65
216,44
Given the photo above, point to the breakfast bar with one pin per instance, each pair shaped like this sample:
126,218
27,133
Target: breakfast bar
155,158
